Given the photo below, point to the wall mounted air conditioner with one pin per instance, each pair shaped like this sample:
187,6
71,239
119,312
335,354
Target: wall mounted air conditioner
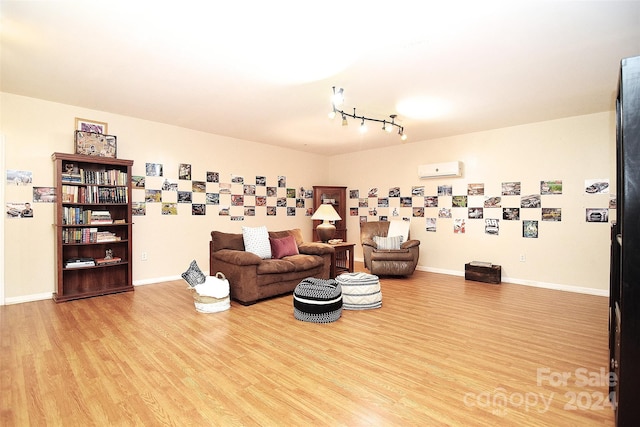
439,170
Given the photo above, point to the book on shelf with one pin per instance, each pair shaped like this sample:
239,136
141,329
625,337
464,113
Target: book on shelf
79,262
107,261
106,236
100,217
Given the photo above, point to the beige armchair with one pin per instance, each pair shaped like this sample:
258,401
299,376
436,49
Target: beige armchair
400,261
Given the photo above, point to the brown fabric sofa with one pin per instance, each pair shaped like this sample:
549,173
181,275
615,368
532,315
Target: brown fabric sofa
393,262
252,279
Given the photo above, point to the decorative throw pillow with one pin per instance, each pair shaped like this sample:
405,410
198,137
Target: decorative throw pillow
399,228
283,247
256,241
388,243
193,275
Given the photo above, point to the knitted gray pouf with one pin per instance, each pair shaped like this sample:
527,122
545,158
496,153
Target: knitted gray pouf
317,300
360,291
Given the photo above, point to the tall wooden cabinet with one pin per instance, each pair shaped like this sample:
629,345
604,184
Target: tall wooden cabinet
336,196
93,217
624,306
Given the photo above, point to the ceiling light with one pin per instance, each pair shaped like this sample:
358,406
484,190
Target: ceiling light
363,127
338,96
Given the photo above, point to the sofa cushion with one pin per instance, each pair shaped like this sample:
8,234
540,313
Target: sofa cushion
283,246
275,266
233,241
305,262
256,240
388,243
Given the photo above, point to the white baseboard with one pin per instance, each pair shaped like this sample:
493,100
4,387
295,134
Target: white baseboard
155,280
533,283
49,295
28,298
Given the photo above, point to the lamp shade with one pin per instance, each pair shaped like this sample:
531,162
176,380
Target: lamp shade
326,212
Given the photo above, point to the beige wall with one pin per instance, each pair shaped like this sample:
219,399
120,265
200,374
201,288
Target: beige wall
34,129
571,253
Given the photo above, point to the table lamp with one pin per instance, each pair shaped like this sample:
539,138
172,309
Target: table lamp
326,213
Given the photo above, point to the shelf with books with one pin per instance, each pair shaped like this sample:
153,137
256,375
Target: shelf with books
93,221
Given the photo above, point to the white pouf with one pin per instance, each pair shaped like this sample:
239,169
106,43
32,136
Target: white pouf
360,291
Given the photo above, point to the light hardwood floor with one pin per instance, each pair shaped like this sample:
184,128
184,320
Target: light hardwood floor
440,351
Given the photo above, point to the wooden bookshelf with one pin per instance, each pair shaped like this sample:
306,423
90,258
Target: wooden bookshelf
98,188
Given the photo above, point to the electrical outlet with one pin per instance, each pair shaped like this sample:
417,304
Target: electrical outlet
144,256
523,258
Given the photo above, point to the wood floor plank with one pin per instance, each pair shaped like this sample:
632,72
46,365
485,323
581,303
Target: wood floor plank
440,351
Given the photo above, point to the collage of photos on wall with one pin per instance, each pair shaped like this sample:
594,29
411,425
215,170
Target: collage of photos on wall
25,208
475,205
235,197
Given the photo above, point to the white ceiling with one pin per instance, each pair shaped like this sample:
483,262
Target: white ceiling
263,70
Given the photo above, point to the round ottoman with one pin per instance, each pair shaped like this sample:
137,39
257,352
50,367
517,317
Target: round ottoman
360,291
317,300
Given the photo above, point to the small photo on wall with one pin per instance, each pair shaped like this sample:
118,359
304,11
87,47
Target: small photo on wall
444,213
431,202
459,226
530,201
551,187
19,210
445,190
492,226
476,213
354,194
511,188
353,212
169,209
184,171
44,194
511,214
198,209
373,192
551,214
430,224
530,229
169,185
213,176
597,215
459,201
15,177
185,196
153,169
152,196
596,186
417,191
475,190
137,182
139,208
213,198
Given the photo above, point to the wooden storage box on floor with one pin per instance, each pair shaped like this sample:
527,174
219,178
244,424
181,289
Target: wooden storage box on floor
486,274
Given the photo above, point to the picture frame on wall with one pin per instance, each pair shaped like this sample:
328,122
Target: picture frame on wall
96,144
86,125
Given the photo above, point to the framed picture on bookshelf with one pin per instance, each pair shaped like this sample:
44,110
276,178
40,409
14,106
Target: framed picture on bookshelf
91,126
96,144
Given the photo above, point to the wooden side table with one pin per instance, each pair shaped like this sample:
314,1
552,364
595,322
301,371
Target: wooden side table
342,260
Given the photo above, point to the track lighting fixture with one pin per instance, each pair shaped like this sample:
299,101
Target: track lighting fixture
337,100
